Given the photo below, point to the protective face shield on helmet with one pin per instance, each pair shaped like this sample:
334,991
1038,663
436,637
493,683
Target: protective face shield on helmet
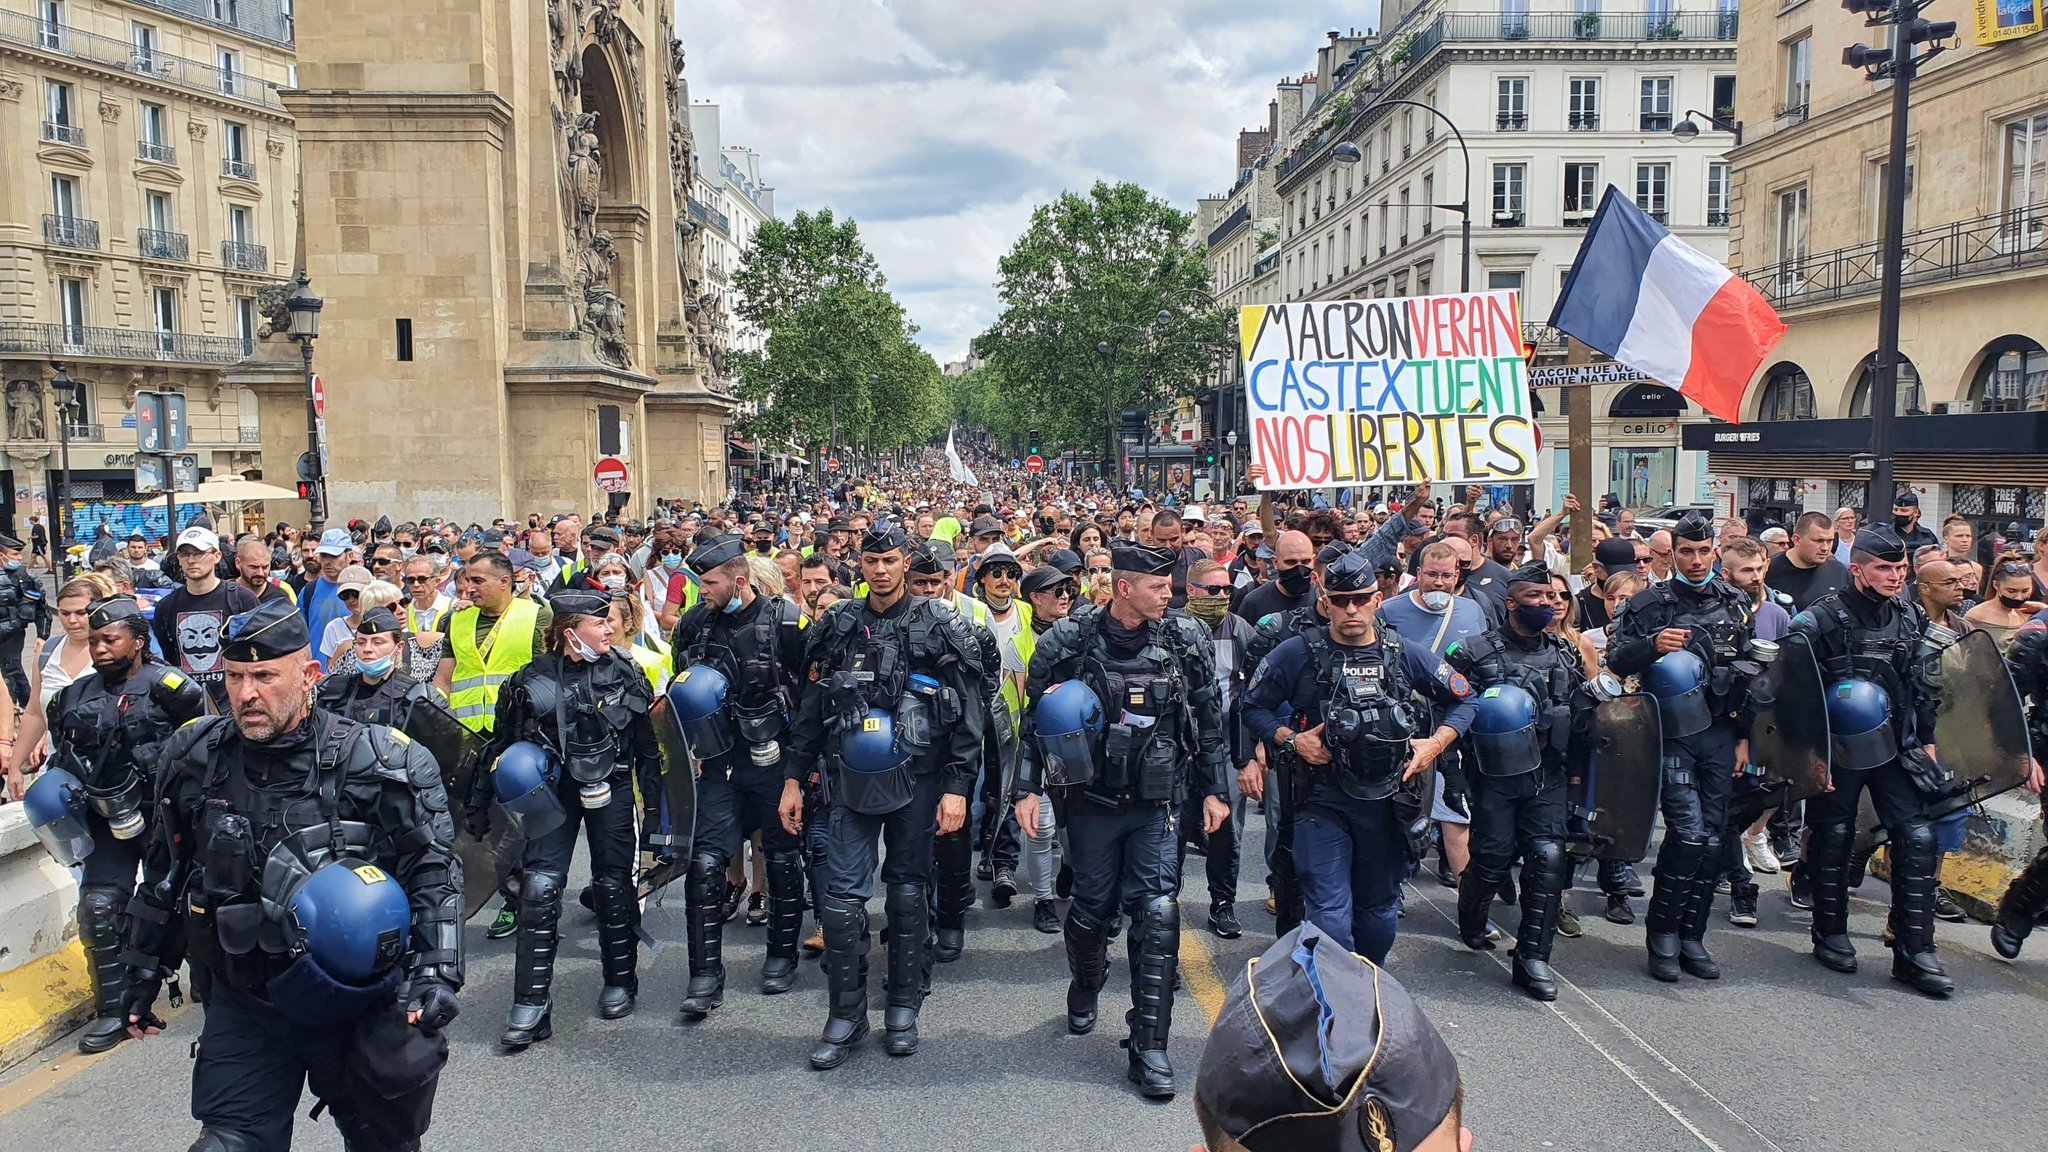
917,714
523,781
1504,731
55,803
1069,720
698,697
1679,682
1860,716
352,918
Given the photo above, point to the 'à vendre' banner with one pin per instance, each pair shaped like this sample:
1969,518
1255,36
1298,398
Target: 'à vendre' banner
1348,392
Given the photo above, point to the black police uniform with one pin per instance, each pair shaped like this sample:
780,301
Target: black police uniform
860,658
1165,736
1351,849
2025,900
759,648
238,823
108,730
953,853
1859,635
1270,633
1698,768
1523,814
1223,850
591,713
22,603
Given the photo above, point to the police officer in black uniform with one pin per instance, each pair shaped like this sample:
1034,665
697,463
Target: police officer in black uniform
1686,638
1339,701
1869,633
1154,672
584,705
757,643
893,705
108,729
21,604
1532,714
249,806
376,690
2027,898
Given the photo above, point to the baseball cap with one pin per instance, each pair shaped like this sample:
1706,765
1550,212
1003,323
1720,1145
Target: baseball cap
353,578
335,541
986,526
202,539
1614,554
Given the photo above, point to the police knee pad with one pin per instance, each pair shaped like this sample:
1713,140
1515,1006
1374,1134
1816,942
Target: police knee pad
1681,856
1161,914
608,889
1547,859
99,905
1917,841
223,1140
540,897
705,864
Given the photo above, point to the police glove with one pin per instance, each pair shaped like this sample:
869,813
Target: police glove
433,1006
477,822
138,1004
1456,795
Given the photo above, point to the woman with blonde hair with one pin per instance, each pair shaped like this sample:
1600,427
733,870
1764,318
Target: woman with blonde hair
61,660
417,663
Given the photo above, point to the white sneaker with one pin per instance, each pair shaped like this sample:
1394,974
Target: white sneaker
1756,848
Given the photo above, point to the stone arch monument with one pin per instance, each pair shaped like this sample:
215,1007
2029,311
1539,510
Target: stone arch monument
511,177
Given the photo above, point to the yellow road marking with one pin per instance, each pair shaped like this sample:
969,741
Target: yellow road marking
1198,972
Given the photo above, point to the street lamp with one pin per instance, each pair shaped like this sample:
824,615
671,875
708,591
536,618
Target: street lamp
305,313
1230,474
1348,153
66,390
1687,130
1900,66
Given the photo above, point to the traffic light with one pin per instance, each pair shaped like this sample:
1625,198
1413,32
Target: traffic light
1032,436
305,490
1209,456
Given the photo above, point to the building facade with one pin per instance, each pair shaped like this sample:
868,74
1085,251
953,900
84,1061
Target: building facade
1521,119
1808,184
145,232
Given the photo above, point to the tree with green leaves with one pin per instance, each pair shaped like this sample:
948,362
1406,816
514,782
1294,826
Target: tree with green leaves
1106,306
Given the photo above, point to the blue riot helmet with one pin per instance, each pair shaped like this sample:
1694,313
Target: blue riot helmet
1679,682
870,745
917,714
523,780
1504,731
698,697
352,918
55,803
1069,718
1860,714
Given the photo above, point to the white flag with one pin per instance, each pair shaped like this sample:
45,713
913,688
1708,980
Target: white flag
962,474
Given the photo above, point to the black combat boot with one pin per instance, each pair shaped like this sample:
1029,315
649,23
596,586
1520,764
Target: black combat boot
1914,859
1670,897
618,949
909,921
1475,899
1088,960
1826,867
704,924
2019,906
785,921
533,963
1544,870
846,980
952,856
101,928
1156,951
1692,936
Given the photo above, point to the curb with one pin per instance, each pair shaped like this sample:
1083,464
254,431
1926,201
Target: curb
2001,839
42,1000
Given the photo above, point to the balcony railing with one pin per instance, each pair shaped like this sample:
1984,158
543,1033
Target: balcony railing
1510,122
1654,122
244,257
90,433
120,55
1230,224
1983,246
1583,122
71,232
239,169
59,133
1660,215
1543,337
79,341
709,216
156,153
1502,219
1574,218
152,244
246,434
1717,219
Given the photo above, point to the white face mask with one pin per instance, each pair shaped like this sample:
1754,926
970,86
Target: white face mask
577,649
613,580
1436,600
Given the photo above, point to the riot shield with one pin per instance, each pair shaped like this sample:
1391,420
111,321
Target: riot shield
677,803
479,863
1623,779
1980,728
458,751
1790,739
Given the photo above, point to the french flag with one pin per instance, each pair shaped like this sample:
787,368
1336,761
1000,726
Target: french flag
1648,300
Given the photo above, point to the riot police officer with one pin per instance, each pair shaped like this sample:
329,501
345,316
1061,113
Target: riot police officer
2025,900
1340,701
107,730
1152,674
1881,708
310,858
894,707
756,643
1687,639
21,604
579,715
1532,715
376,690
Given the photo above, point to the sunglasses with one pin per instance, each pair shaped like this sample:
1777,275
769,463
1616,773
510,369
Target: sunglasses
417,579
1351,599
1209,589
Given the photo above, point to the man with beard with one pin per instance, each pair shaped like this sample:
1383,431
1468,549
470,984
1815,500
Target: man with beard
190,619
1293,583
252,571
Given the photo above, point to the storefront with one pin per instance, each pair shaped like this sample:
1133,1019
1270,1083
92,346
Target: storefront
1639,456
103,492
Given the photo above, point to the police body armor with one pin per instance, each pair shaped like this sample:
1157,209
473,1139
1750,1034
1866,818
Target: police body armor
1367,715
390,703
112,740
1550,673
869,668
760,705
1721,633
1149,708
1887,657
581,712
19,605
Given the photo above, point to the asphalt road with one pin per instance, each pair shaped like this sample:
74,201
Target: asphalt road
1780,1054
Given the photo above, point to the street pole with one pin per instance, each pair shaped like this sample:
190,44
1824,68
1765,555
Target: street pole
1579,456
316,491
1884,390
60,515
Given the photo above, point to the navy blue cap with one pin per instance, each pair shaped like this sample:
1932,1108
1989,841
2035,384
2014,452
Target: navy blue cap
272,629
716,551
1142,560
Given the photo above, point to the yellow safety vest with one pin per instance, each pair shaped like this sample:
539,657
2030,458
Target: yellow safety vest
1026,642
478,675
654,664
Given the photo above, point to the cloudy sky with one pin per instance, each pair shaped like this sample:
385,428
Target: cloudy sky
939,124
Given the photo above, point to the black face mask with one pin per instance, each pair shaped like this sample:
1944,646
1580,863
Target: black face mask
2013,602
1294,581
1902,523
